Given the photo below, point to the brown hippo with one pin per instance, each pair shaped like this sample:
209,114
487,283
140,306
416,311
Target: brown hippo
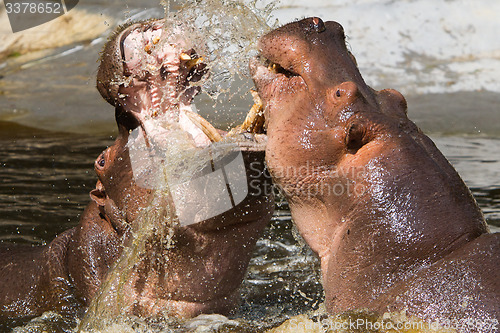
203,264
392,222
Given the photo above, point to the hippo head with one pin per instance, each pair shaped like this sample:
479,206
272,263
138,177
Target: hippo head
117,195
194,259
309,82
350,162
146,73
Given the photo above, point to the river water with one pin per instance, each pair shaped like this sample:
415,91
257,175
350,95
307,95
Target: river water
444,56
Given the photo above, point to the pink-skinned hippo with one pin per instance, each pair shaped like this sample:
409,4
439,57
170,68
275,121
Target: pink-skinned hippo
202,266
394,225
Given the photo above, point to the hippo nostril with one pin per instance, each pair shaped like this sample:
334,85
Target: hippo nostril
318,25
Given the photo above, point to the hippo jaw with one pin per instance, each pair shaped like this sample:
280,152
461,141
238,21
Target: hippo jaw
292,77
147,72
149,81
197,268
350,162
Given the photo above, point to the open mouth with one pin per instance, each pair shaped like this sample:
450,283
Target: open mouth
161,87
191,69
277,69
253,123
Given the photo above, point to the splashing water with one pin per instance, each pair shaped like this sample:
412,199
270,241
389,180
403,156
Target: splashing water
220,34
115,297
224,33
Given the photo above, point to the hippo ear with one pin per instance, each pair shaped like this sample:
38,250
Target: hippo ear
355,137
393,103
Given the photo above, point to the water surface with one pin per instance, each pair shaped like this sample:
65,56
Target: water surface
54,124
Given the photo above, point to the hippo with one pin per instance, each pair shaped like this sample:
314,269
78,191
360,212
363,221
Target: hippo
204,262
392,222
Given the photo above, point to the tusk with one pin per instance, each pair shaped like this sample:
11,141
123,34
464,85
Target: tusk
185,57
193,62
254,117
254,121
205,126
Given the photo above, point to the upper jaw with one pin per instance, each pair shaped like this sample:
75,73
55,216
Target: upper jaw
269,75
167,99
271,67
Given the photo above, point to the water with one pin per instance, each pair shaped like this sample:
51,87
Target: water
225,33
155,222
441,55
46,185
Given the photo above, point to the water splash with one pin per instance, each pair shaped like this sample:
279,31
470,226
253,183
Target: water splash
115,298
225,33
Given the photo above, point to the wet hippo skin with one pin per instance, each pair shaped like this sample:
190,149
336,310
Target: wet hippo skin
201,269
392,222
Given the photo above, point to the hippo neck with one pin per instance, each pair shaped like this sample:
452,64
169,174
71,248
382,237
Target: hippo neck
400,225
201,271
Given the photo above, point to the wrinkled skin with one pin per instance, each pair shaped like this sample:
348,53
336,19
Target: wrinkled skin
394,225
202,271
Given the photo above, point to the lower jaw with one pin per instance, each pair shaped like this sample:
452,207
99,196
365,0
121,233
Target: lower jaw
250,135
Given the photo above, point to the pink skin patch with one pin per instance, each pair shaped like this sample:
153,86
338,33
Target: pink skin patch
157,89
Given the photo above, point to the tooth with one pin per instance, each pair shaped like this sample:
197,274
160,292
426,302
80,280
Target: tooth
254,121
184,56
147,48
156,40
193,62
205,126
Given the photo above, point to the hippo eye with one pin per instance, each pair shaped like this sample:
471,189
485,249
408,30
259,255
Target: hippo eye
100,162
337,93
